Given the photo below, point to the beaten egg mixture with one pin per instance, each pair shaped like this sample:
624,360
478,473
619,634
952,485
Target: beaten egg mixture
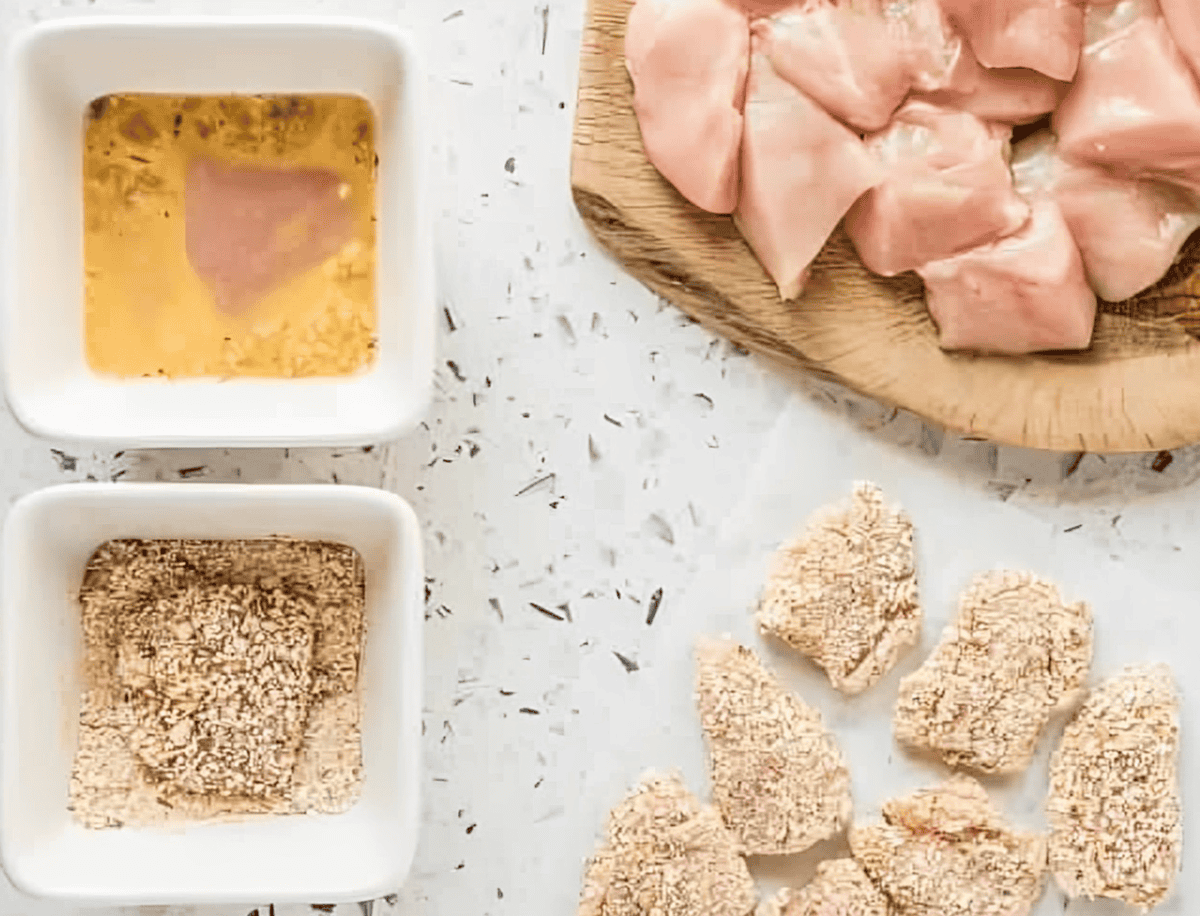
244,176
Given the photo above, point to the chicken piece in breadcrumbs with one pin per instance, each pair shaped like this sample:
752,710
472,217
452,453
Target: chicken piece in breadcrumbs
845,593
779,779
1114,808
665,853
1015,653
840,888
947,851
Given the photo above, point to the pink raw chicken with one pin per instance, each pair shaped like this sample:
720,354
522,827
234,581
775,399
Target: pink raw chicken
947,188
1022,294
688,62
1135,106
858,59
801,170
1042,35
1013,95
248,229
1183,20
1129,231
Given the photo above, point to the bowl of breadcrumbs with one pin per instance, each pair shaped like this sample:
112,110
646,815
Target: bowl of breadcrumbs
209,693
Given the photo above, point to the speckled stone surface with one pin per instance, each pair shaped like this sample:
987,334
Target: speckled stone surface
582,462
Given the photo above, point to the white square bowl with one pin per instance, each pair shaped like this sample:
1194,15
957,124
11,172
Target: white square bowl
54,70
358,855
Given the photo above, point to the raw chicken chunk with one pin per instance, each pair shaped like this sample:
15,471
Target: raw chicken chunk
947,189
1135,106
1014,95
1042,35
688,61
801,171
1021,294
250,229
858,59
1183,20
1129,231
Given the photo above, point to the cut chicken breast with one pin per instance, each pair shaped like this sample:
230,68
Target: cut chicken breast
664,852
1014,95
947,189
947,851
1135,105
1183,21
1042,35
688,61
250,229
1015,653
1116,825
778,777
1129,231
839,888
858,59
845,592
1022,294
801,171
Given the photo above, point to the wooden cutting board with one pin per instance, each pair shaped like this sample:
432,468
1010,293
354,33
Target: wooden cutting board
1136,389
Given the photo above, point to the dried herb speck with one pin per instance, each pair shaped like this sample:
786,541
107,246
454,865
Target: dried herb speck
545,610
629,664
655,601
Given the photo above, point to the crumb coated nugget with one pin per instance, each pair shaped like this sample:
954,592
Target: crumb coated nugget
1015,653
845,593
665,853
779,779
947,851
1114,807
840,888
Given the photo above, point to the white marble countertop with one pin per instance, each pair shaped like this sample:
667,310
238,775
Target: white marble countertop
583,453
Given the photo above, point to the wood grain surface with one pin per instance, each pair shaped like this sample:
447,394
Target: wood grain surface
1136,389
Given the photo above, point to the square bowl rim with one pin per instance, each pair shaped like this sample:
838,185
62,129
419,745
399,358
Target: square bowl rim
405,606
383,424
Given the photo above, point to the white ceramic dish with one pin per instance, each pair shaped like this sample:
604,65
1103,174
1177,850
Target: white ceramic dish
361,854
54,70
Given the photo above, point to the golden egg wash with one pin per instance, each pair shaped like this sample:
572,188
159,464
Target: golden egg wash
229,236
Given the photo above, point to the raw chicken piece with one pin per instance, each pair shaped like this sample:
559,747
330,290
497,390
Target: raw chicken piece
801,171
1183,20
1021,294
688,62
1129,231
947,189
1135,106
1014,95
249,229
858,59
1042,35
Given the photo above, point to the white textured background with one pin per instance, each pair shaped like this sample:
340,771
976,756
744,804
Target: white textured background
587,446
